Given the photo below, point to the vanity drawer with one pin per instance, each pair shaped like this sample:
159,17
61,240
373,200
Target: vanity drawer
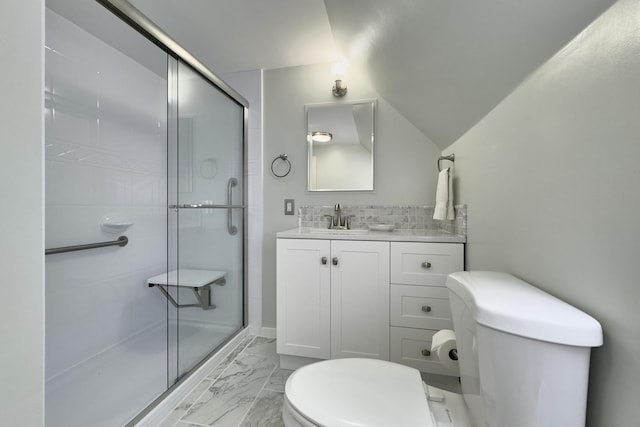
407,345
425,307
425,263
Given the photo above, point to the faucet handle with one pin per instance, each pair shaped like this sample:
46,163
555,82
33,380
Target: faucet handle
347,221
337,207
331,220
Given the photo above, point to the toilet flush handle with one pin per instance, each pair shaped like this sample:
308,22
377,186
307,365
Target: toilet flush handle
426,264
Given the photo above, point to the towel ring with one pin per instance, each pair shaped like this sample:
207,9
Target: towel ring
450,157
282,167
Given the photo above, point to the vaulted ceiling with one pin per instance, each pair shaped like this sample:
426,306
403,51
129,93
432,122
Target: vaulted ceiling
443,64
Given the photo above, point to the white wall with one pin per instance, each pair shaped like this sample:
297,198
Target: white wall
551,181
405,164
22,217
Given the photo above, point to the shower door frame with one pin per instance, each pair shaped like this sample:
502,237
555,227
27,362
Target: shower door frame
138,21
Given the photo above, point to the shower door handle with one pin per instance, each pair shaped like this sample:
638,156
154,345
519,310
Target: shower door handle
232,229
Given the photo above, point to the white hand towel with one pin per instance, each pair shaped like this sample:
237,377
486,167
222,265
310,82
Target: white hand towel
444,196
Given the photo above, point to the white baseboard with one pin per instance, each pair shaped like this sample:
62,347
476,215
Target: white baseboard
172,400
262,332
268,332
295,362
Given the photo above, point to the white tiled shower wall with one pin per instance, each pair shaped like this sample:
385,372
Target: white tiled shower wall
105,148
106,156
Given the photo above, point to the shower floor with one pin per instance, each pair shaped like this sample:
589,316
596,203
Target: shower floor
111,388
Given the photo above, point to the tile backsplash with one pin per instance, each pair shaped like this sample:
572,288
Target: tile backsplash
402,217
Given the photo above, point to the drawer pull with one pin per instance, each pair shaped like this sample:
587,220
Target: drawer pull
426,352
426,264
324,260
426,308
334,261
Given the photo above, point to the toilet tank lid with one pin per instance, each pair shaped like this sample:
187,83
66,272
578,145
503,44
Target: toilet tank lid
506,303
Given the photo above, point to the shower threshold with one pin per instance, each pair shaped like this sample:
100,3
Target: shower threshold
112,387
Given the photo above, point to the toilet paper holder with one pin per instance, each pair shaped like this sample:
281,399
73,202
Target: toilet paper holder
444,347
453,354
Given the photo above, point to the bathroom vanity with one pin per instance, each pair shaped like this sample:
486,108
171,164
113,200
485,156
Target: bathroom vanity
360,293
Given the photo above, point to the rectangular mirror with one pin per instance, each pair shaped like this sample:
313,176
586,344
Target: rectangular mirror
340,138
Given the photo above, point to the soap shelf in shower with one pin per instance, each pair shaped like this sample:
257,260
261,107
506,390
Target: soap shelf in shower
199,281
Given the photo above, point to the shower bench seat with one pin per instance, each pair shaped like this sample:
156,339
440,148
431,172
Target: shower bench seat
199,281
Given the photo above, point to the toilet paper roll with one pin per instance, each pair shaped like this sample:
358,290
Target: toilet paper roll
441,345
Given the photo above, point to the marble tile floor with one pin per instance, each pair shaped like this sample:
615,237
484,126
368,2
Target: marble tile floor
244,390
247,389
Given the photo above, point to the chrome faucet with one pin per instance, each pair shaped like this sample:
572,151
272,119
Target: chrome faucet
337,216
337,221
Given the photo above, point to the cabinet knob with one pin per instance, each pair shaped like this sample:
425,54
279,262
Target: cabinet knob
426,308
426,352
426,264
324,260
334,261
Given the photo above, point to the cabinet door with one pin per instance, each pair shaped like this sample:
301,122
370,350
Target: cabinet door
360,299
303,297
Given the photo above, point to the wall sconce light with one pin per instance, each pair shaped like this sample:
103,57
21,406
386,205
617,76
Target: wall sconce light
321,136
339,88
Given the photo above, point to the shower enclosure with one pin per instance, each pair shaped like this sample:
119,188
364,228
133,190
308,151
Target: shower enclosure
145,213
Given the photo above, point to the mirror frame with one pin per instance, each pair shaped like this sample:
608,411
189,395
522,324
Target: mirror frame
374,104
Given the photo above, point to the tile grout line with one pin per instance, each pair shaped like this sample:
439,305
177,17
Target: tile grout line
212,380
258,394
194,401
231,361
190,423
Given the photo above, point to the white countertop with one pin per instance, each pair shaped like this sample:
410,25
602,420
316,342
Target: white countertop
433,236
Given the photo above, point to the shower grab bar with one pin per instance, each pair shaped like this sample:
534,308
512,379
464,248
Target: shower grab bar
205,206
122,241
232,229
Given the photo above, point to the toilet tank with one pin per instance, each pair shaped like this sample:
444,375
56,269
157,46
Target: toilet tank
523,354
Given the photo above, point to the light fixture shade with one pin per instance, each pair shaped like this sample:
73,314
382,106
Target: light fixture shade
321,136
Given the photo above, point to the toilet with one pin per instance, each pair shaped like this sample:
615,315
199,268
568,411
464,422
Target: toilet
523,360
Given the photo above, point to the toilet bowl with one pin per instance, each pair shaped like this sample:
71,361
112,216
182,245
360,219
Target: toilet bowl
367,392
535,368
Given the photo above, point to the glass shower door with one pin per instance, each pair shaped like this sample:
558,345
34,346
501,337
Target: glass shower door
106,179
209,218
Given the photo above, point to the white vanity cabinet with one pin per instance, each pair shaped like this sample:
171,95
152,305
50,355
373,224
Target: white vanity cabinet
419,300
303,298
332,298
359,299
345,296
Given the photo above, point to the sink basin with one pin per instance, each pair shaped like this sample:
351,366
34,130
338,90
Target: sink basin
337,231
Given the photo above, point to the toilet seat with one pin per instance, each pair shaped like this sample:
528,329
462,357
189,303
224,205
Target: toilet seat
363,392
